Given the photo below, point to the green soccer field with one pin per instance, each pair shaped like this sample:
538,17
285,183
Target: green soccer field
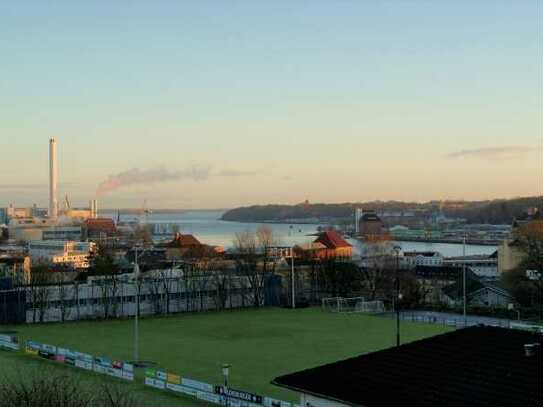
259,344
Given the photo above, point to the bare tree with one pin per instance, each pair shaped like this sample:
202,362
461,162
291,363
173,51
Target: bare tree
159,286
246,260
266,240
339,277
253,257
144,234
152,284
109,284
530,240
39,290
65,294
378,270
222,281
202,272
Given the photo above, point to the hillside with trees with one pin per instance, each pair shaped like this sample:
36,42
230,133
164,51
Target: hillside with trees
499,211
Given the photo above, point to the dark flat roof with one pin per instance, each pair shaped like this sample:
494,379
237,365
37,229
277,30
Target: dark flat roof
477,366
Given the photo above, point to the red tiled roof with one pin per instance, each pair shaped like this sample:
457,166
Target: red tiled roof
184,241
102,224
332,240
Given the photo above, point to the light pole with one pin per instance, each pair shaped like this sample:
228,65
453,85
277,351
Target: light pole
464,281
397,250
292,277
226,373
137,312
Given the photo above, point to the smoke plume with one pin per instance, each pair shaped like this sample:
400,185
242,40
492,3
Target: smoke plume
136,176
496,153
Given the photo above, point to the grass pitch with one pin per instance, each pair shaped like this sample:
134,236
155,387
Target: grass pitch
259,344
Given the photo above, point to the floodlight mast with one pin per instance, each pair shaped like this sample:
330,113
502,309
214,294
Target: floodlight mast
397,250
292,277
137,312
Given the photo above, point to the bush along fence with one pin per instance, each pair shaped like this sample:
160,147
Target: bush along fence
156,378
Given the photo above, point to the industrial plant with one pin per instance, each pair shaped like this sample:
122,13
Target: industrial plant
29,227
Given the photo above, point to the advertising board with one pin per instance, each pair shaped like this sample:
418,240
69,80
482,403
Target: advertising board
270,402
114,368
10,342
238,394
195,384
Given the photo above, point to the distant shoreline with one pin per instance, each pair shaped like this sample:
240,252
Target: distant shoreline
131,211
274,222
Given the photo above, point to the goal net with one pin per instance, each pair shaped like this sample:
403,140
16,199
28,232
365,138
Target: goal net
355,304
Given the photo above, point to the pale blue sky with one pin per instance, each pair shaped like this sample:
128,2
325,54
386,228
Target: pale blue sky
272,101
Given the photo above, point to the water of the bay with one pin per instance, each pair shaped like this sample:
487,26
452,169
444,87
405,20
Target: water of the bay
208,227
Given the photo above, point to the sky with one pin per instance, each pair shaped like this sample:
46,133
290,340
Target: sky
218,104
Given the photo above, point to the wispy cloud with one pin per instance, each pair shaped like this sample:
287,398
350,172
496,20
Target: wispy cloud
22,186
496,153
236,173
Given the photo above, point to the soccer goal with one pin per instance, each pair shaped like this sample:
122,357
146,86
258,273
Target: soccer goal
355,304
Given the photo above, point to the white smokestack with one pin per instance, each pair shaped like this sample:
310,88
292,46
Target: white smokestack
53,179
93,205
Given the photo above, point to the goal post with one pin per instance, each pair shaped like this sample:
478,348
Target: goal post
352,305
371,307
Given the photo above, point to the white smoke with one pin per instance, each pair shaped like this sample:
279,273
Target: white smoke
136,176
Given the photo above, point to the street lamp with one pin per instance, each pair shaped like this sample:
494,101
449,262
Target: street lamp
397,250
137,312
292,277
465,297
226,373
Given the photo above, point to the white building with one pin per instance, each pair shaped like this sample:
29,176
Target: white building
27,229
413,259
62,233
358,212
74,254
482,265
161,292
534,275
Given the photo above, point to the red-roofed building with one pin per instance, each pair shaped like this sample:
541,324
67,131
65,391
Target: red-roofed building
328,244
183,241
99,228
336,245
187,246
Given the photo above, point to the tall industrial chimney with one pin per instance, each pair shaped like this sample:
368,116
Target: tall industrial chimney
53,179
93,206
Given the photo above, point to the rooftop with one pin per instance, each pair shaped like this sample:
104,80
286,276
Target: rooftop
425,254
447,272
103,224
311,246
477,366
181,240
332,240
370,217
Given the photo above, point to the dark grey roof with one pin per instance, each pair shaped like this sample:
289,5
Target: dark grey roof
476,367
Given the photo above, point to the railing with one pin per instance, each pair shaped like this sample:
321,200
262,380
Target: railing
458,320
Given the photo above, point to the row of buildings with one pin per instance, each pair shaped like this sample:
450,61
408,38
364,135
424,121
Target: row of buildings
371,226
